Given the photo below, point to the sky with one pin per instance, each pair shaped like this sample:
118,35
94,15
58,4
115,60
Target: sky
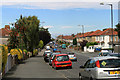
61,17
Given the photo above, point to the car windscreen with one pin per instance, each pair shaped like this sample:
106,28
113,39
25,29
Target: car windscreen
54,54
103,54
110,63
62,58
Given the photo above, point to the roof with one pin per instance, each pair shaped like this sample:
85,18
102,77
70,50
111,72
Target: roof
108,32
59,36
94,33
5,31
103,58
61,55
67,37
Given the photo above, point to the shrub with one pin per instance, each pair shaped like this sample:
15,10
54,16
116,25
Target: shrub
24,50
18,52
35,51
3,57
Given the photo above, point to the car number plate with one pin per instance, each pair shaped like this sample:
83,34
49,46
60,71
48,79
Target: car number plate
63,65
71,58
114,72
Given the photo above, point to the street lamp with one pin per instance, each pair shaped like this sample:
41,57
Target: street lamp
111,21
82,30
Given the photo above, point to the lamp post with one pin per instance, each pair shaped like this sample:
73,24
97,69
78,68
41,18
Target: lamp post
111,6
82,30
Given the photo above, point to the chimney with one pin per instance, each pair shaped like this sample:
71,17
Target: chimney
7,27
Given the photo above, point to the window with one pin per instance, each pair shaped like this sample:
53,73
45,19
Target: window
87,64
110,63
96,38
115,38
111,38
92,64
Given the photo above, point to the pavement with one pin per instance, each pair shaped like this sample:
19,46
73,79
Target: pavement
32,69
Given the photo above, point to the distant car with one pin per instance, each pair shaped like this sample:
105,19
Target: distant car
72,56
46,55
51,57
63,46
100,68
55,49
61,60
47,47
103,54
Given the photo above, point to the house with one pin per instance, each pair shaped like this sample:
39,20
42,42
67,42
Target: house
105,37
4,34
68,38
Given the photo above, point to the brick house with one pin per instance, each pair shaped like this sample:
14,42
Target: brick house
4,34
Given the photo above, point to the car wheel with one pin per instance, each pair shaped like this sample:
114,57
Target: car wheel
91,78
52,66
80,77
55,68
70,67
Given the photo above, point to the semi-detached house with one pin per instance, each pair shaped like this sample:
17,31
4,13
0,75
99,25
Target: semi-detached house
103,38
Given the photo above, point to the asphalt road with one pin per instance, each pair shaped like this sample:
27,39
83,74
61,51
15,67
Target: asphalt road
72,74
36,68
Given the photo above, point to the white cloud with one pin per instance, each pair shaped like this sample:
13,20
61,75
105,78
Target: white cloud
66,27
65,4
48,26
60,0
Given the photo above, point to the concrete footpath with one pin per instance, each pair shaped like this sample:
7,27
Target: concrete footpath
33,68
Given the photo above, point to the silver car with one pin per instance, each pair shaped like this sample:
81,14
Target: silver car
72,56
101,68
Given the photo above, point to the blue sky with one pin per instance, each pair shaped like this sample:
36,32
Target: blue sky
61,19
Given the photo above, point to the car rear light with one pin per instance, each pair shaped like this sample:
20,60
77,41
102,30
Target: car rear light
98,64
46,55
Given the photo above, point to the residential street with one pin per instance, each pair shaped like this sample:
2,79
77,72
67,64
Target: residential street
37,68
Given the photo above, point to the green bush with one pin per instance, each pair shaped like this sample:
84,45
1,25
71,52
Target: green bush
35,51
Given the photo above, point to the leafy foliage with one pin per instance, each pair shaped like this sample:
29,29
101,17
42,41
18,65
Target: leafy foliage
44,35
83,43
75,41
91,43
17,52
26,34
3,55
41,44
118,29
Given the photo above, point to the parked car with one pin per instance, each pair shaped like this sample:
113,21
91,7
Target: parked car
100,68
72,56
46,55
47,47
61,60
103,54
55,49
63,46
51,57
114,54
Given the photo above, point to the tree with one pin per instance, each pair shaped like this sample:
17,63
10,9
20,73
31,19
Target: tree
118,29
41,44
75,41
44,35
83,43
13,40
73,35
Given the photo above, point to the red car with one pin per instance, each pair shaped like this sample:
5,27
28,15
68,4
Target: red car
61,60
